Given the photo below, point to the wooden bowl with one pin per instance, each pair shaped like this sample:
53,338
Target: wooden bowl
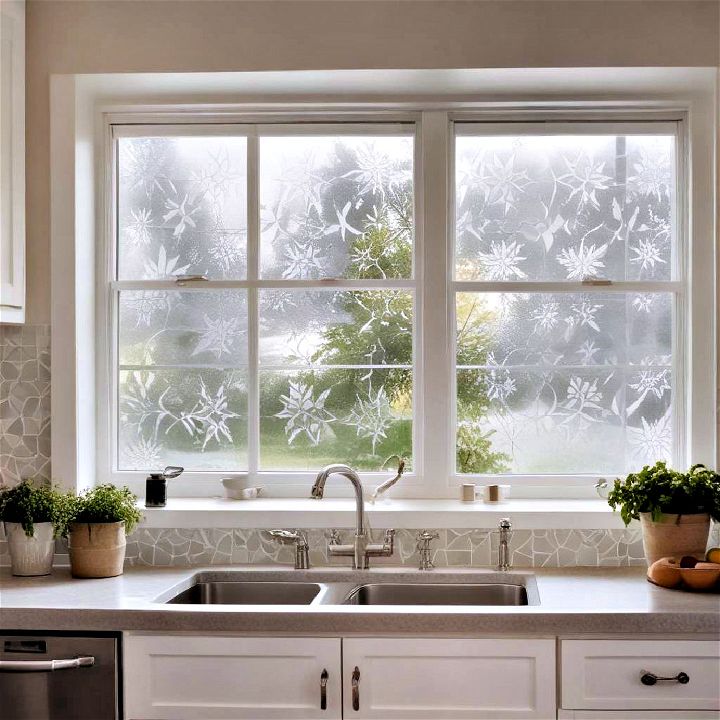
702,577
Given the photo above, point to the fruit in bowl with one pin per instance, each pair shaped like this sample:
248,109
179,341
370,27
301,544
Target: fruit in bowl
665,572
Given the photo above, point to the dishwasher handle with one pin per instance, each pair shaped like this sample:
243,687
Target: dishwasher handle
24,666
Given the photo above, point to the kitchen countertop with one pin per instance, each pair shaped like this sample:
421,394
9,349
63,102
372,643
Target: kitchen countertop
571,601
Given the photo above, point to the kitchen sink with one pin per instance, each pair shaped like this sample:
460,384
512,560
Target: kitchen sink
438,594
248,593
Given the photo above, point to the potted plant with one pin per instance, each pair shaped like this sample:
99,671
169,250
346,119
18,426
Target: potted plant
101,519
34,515
674,508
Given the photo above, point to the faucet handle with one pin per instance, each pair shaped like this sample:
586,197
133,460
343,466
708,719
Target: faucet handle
289,537
427,535
505,524
333,537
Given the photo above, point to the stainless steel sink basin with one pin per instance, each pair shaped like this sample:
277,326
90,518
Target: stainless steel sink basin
248,593
438,594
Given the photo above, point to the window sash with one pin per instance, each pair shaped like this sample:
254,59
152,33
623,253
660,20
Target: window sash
253,282
677,286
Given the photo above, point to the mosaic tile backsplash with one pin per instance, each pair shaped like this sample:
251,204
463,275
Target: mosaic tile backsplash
453,548
24,402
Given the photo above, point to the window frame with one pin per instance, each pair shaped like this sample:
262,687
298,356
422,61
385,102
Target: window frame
434,474
203,483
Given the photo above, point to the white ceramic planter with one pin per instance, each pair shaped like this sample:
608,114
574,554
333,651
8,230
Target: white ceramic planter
30,555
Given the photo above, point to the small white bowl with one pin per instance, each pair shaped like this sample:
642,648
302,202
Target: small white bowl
235,489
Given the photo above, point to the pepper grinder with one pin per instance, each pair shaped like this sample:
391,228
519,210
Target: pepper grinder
156,486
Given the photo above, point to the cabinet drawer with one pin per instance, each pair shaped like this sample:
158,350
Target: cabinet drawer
605,674
202,678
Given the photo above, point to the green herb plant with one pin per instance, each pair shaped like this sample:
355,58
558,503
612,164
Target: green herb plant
107,504
31,502
659,489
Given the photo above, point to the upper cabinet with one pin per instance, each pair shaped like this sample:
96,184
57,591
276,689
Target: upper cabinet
12,161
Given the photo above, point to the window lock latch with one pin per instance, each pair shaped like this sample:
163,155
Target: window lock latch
183,279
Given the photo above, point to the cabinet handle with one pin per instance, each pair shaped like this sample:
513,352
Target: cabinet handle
24,666
323,688
649,678
356,688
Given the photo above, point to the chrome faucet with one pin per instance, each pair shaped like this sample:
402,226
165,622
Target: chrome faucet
360,550
505,530
299,540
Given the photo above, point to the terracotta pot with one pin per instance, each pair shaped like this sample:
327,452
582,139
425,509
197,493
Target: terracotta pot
30,555
674,535
97,550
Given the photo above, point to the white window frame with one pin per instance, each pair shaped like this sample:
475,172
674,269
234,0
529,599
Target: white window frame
467,125
288,482
82,105
436,331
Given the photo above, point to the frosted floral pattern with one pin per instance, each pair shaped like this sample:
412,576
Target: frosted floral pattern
182,207
190,417
564,382
326,327
326,202
575,382
564,207
311,417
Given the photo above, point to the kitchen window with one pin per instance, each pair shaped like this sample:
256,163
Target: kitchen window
283,296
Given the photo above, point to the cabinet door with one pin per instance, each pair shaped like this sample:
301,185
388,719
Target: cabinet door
434,679
179,677
12,161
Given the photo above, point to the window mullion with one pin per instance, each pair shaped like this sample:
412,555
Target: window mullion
436,443
253,259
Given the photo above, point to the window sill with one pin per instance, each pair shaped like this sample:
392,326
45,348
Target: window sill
401,513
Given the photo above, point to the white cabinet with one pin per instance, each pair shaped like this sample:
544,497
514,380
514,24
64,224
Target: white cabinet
12,161
606,675
434,679
178,677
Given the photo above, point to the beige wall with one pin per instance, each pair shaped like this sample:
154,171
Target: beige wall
212,35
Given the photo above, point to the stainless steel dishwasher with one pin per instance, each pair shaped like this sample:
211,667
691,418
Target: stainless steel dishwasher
59,677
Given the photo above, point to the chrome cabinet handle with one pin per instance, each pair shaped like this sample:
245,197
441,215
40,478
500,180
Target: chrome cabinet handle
45,665
356,688
323,688
649,678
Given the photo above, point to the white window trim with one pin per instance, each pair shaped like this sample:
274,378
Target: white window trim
290,483
78,104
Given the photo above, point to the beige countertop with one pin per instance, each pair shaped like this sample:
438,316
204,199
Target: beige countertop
571,601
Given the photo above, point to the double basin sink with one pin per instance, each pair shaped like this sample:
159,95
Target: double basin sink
253,592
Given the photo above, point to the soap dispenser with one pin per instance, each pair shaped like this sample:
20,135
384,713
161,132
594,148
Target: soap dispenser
156,486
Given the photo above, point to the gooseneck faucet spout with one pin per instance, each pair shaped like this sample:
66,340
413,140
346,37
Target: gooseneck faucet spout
318,490
360,550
